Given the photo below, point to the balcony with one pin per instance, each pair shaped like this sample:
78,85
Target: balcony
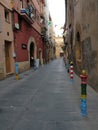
27,15
42,20
43,30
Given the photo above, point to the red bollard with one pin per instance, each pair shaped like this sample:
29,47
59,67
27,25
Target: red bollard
71,71
83,84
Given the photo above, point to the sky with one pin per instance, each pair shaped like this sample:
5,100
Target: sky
57,11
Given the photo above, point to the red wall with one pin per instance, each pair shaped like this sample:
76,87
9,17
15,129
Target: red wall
22,36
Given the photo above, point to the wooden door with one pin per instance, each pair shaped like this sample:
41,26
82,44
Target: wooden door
7,57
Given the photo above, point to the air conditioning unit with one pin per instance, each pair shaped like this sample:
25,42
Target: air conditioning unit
16,25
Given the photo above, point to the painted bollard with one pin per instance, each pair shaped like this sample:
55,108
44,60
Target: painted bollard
83,107
17,70
71,71
83,84
83,93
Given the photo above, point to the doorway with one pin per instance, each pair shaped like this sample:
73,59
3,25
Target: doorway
32,54
8,56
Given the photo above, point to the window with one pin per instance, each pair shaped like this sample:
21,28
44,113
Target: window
20,22
21,4
0,25
32,12
7,18
28,1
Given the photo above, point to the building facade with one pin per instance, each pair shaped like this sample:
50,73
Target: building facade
83,17
6,40
59,46
27,32
24,35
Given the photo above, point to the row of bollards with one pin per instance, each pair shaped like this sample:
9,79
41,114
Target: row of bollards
83,77
17,69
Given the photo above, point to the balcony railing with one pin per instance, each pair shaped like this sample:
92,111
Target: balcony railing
27,15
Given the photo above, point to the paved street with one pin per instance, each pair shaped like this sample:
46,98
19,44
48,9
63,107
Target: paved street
45,99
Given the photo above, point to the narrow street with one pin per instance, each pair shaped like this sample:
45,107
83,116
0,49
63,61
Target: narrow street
45,99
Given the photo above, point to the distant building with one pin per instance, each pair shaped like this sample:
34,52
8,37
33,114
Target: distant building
59,45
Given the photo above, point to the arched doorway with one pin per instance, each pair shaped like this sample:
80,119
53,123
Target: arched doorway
32,54
78,47
32,50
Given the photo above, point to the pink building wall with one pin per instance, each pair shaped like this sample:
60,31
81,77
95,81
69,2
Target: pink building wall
12,36
6,40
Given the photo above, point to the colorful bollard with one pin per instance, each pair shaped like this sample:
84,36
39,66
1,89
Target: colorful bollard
83,107
17,70
71,72
83,93
83,84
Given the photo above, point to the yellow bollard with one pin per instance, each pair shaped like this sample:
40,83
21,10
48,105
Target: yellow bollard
17,77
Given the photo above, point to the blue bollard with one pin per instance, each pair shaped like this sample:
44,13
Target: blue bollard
83,107
17,70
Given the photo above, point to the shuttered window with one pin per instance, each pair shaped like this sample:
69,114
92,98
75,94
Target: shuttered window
0,25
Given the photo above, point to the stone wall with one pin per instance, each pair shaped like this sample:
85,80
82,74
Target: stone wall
23,66
86,23
1,70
